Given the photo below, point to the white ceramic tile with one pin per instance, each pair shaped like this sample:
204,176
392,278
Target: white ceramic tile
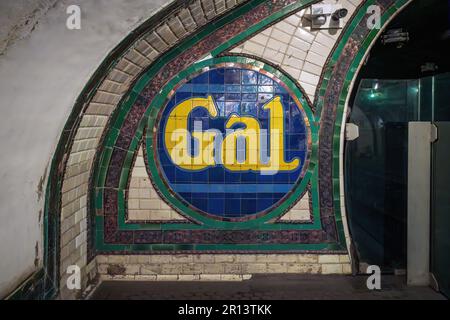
187,20
312,68
325,40
177,27
277,45
286,27
293,20
356,2
347,5
208,8
309,78
292,62
197,13
254,48
292,52
280,36
304,34
274,56
156,42
220,6
267,31
332,33
238,49
300,44
230,3
260,38
316,58
295,73
166,34
320,49
309,89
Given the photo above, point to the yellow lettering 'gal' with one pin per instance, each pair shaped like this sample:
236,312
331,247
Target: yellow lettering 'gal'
177,139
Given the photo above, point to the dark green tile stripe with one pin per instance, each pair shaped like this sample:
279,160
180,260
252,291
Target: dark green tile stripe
112,139
343,98
326,77
351,73
63,141
159,102
52,207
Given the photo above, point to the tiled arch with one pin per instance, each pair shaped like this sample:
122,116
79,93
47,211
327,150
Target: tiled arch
67,190
75,155
66,211
122,145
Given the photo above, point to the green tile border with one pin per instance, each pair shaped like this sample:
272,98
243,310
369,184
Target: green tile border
52,202
336,141
350,75
52,207
132,96
205,222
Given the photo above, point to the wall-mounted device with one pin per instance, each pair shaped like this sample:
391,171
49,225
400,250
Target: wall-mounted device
327,16
398,36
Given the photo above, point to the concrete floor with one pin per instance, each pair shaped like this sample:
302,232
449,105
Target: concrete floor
267,287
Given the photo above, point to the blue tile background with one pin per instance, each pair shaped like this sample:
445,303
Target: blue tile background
216,190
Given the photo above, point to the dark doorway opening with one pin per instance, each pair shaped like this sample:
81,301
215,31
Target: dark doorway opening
402,81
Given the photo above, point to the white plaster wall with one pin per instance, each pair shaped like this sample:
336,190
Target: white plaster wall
41,74
18,18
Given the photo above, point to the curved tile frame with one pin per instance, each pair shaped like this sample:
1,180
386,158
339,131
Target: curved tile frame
117,159
329,91
161,233
330,237
291,198
331,100
98,99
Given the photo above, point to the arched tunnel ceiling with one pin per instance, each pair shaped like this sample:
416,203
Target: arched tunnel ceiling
62,156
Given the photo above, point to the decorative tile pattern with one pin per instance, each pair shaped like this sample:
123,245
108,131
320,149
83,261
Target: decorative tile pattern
118,158
146,52
82,134
68,168
331,231
196,236
112,175
218,267
268,153
301,212
294,47
330,102
143,202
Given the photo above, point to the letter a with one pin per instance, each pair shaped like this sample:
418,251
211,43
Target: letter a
373,282
74,280
74,20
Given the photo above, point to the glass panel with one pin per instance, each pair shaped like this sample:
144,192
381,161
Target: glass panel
376,165
442,97
440,219
376,169
426,99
